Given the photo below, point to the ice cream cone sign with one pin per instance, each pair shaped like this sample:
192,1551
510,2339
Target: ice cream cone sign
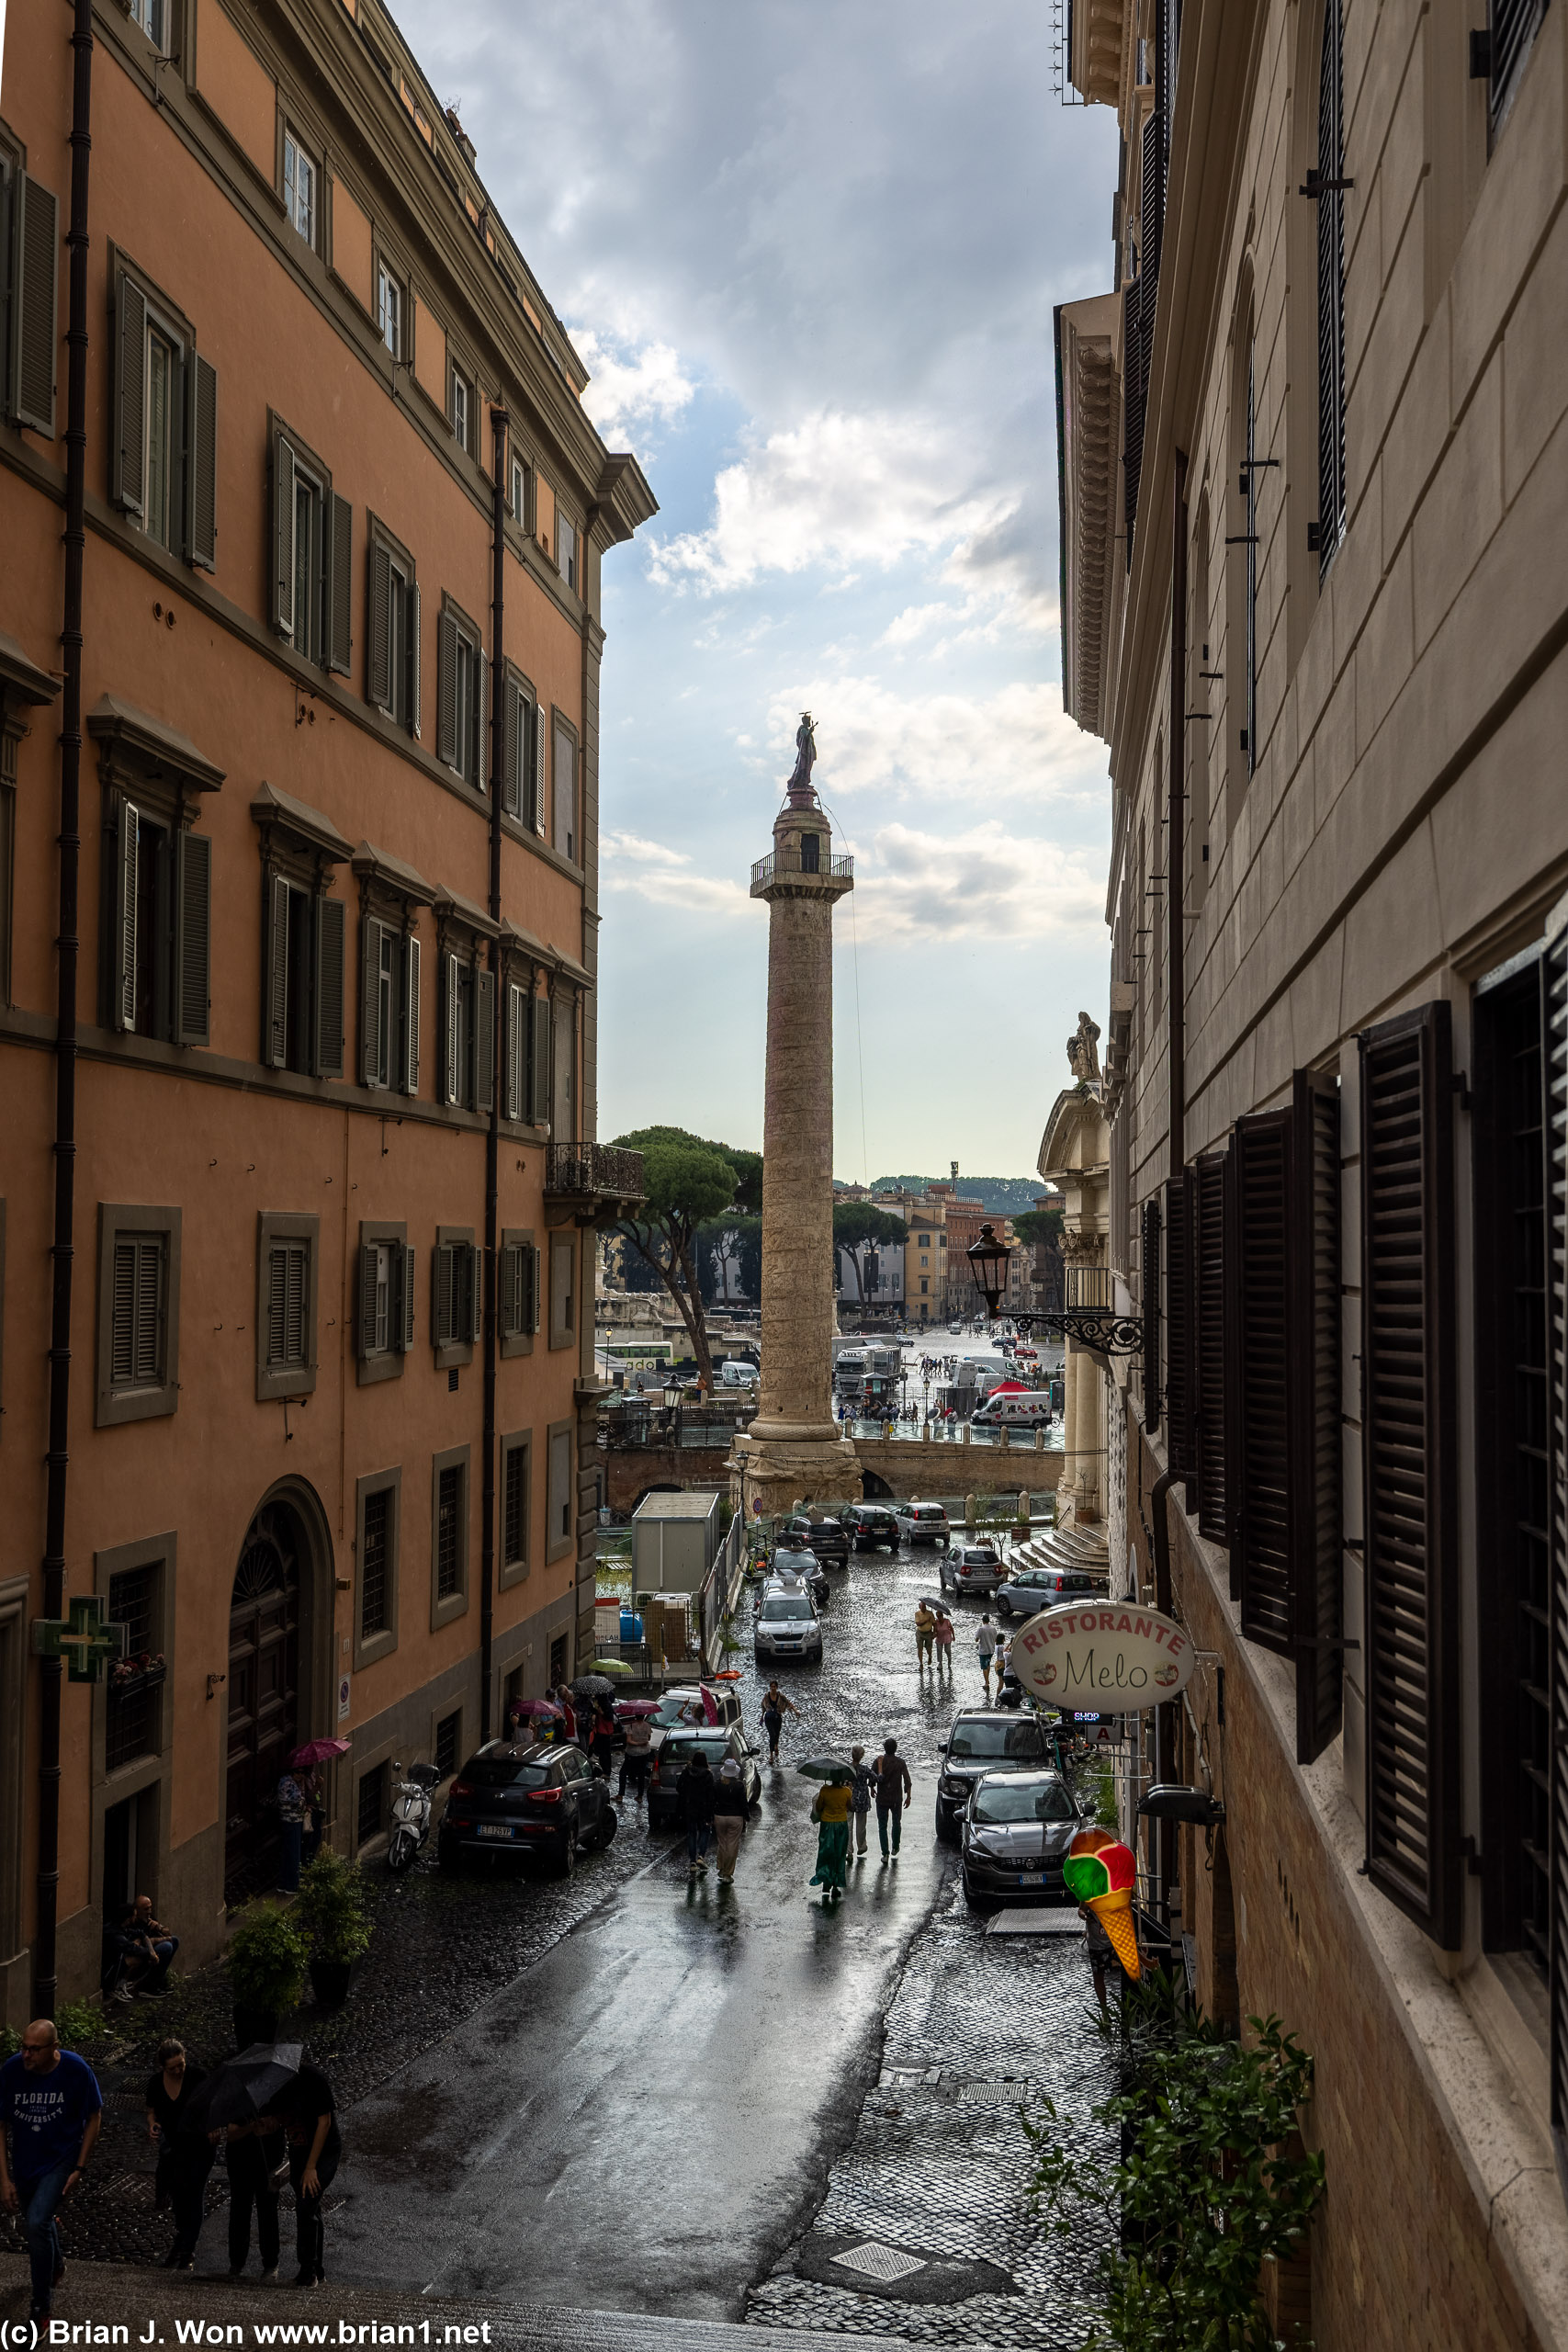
1099,1872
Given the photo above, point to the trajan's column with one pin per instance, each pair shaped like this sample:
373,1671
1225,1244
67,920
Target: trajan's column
793,1450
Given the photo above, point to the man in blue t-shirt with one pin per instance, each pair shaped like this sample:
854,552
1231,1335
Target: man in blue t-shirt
51,2102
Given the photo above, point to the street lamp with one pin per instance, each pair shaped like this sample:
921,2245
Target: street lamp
988,1264
1101,1328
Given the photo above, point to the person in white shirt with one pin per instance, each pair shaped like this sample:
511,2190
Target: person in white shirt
986,1639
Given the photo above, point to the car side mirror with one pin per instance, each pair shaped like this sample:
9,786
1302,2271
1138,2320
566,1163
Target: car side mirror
944,1747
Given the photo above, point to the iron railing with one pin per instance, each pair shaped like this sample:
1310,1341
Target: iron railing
792,861
585,1169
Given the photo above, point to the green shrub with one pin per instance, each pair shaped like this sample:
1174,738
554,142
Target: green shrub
268,1954
332,1908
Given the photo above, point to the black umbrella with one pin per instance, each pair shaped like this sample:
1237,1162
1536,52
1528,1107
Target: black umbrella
594,1686
245,2086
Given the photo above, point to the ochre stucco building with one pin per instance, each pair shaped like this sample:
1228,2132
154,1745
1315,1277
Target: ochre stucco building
310,1009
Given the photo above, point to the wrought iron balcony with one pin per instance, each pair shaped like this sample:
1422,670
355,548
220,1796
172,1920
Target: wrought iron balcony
592,1173
784,863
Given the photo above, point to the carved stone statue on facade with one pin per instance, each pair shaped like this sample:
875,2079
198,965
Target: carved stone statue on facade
799,783
1083,1050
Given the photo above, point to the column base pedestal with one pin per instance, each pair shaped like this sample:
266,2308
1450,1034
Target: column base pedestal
780,1471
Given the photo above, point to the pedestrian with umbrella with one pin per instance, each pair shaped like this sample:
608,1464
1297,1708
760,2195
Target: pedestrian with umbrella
308,1761
231,2107
184,2157
604,1735
830,1812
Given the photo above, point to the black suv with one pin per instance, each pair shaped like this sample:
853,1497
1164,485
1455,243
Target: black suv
826,1537
985,1739
719,1746
527,1799
869,1524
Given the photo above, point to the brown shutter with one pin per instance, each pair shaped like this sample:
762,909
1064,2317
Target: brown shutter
512,718
377,630
446,745
415,643
282,537
475,1300
124,977
1408,1456
1149,1298
409,1073
193,938
484,1040
330,913
444,1275
340,579
1207,1187
370,1003
35,332
1258,1462
295,1305
535,1287
408,1265
478,768
276,1038
511,1289
368,1287
201,503
540,818
1317,1570
540,1060
276,1285
1554,1078
1178,1327
122,1315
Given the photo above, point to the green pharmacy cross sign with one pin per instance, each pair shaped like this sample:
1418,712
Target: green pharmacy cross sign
83,1638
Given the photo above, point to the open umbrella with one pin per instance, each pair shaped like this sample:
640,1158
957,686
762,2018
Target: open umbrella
593,1686
545,1709
616,1665
245,2086
826,1767
626,1708
317,1751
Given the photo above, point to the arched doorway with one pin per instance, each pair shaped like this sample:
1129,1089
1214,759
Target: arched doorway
263,1686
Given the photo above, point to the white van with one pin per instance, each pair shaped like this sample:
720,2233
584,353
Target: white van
1030,1409
734,1373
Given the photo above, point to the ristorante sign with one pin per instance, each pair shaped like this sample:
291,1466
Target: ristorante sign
1110,1654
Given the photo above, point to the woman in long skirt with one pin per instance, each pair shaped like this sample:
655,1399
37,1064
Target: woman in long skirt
830,1811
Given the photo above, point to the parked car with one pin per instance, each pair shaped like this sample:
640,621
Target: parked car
972,1568
1017,1827
675,1710
982,1740
828,1537
663,1805
1029,1591
527,1799
869,1524
794,1562
921,1522
787,1626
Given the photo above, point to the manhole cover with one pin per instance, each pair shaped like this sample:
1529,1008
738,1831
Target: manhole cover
879,2261
994,2094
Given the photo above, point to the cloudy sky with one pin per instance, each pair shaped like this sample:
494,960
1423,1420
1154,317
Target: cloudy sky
810,250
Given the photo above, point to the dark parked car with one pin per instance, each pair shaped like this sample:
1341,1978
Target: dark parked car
828,1537
1017,1827
793,1559
527,1799
985,1739
663,1804
1031,1589
869,1524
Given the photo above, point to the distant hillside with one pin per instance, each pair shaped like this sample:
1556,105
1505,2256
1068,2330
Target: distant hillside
1003,1195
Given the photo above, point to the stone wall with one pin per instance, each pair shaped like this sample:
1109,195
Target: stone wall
905,1469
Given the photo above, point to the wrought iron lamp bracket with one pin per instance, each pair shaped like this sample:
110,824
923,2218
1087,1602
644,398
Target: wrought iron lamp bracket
1091,1327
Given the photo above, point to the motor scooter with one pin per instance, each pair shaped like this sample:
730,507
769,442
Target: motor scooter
411,1815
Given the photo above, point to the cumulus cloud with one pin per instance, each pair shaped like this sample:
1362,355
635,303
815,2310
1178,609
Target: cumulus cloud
632,389
983,882
635,866
1014,743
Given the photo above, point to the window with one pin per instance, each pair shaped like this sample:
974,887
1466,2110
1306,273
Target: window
457,1297
370,1809
389,1010
137,1314
520,492
286,1307
449,1743
519,764
563,1070
925,1287
566,548
1502,53
392,631
133,1715
562,1536
29,284
300,182
468,1030
461,670
516,1464
527,1095
158,962
163,425
1331,511
303,985
566,791
153,16
517,1294
462,409
312,548
384,1303
378,1530
811,852
563,1305
448,1535
392,307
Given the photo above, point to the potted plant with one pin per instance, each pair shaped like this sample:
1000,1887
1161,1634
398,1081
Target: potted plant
332,1908
268,1957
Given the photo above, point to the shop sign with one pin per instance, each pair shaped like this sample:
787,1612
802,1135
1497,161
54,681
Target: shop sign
1111,1655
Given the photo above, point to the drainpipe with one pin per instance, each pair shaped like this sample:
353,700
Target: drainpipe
499,421
62,1247
1176,833
1165,1716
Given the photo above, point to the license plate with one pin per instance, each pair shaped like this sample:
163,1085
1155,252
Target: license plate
1031,1878
494,1829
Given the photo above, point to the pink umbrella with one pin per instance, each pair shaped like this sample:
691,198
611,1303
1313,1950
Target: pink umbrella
626,1708
317,1751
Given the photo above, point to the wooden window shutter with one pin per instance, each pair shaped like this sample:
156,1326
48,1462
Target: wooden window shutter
452,1076
1151,180
541,815
476,765
1149,1299
1314,1327
369,1285
1555,1075
370,1040
277,1040
511,1290
446,745
128,468
535,1287
1208,1350
1408,1458
1331,497
1514,26
340,574
282,537
444,1278
201,505
484,1040
1258,1469
297,1294
415,643
125,917
409,1077
378,630
539,1062
35,311
276,1288
1178,1327
147,1368
122,1315
516,1049
515,719
407,1269
330,923
193,938
475,1297
1131,407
